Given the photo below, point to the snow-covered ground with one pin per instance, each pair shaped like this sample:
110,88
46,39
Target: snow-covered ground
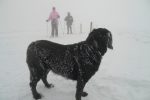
124,73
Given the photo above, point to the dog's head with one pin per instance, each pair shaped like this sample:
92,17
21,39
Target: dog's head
101,36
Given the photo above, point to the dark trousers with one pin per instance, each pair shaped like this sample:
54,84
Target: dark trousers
54,29
69,29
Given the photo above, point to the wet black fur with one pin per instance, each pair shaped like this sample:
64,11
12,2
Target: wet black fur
77,61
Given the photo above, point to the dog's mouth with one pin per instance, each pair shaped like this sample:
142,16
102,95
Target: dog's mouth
110,47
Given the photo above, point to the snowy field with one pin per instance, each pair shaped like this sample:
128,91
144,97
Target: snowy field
124,73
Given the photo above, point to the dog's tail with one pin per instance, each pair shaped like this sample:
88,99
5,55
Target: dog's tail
32,47
31,52
34,56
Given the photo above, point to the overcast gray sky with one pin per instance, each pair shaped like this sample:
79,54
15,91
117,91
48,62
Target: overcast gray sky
30,15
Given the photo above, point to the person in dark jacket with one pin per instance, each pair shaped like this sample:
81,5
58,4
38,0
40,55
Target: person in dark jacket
69,21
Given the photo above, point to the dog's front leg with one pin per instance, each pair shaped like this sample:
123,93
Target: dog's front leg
80,87
80,81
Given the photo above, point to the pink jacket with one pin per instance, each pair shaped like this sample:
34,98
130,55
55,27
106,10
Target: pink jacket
53,16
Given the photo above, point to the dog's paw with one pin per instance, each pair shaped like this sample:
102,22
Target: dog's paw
49,85
84,94
37,96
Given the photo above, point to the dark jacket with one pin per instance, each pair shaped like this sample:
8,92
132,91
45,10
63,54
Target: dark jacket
69,20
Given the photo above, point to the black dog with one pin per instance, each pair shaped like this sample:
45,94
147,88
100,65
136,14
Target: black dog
77,61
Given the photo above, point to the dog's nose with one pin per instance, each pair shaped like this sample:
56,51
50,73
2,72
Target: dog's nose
111,47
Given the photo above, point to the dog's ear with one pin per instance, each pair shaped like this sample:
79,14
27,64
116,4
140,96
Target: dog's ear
95,44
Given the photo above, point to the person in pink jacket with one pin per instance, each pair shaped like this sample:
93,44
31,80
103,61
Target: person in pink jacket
53,17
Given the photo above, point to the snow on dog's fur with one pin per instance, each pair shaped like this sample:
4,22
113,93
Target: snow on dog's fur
77,61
